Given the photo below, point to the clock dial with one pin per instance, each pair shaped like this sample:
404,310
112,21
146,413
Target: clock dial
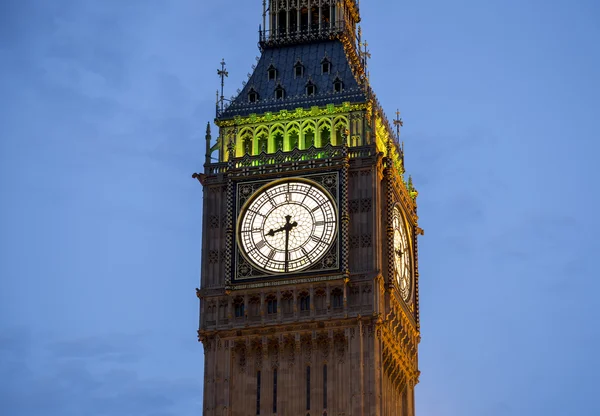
287,226
401,255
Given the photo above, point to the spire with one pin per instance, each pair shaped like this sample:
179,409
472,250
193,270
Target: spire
207,138
222,73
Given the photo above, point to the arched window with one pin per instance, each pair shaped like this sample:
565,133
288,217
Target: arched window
271,304
294,142
311,89
282,22
254,306
298,69
287,300
314,18
309,138
337,298
293,20
324,389
325,66
325,17
325,136
279,93
304,19
304,301
338,85
278,140
308,389
320,296
247,143
238,306
252,95
272,73
340,133
210,313
263,143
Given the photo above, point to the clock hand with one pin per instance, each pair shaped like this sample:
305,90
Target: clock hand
288,227
272,232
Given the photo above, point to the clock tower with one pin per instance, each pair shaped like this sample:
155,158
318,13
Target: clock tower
309,296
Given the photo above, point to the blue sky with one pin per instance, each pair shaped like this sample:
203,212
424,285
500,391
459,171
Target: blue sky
103,110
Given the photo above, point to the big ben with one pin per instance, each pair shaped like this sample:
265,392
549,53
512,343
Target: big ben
309,295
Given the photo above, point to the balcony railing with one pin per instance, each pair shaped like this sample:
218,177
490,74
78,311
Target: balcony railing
311,157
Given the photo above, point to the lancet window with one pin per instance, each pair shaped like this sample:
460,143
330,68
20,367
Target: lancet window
294,140
298,70
263,142
290,136
325,133
252,95
272,73
238,306
287,303
338,85
337,300
271,304
247,143
325,66
304,301
279,93
309,137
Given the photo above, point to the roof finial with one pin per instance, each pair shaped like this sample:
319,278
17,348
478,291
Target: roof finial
264,19
217,104
222,73
364,54
207,137
398,123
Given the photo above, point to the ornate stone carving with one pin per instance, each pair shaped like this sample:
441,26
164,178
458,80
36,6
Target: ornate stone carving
274,353
323,345
307,345
340,342
240,353
256,348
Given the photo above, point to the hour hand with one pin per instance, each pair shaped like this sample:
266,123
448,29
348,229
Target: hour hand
272,232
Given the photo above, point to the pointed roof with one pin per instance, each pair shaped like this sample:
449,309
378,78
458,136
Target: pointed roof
285,59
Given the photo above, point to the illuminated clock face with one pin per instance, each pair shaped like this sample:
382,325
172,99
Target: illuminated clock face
401,255
287,226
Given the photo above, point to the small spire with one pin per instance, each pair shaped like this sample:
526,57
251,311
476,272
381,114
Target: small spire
398,123
365,55
231,148
207,137
217,104
222,73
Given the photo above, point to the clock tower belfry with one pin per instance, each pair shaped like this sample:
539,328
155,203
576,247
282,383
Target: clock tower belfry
309,300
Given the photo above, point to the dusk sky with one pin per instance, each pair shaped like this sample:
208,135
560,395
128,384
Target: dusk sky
104,104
